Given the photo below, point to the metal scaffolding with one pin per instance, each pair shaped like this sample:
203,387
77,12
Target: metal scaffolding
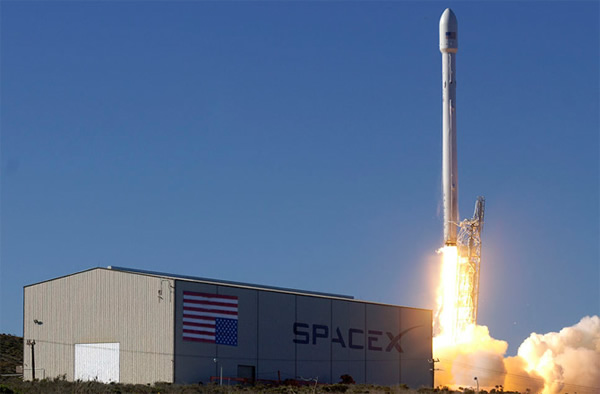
467,276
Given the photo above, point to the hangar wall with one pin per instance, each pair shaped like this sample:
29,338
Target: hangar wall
297,335
278,333
101,306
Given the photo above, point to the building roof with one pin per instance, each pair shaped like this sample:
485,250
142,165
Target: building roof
216,282
225,282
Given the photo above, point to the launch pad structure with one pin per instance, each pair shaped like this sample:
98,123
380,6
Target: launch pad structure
469,261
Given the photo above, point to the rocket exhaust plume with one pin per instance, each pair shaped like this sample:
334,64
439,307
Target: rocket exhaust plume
567,361
465,353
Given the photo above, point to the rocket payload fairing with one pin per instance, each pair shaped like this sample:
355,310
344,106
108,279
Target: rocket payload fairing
449,47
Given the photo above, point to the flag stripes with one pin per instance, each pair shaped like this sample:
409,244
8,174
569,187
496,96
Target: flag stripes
210,318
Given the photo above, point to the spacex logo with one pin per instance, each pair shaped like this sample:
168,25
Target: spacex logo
352,338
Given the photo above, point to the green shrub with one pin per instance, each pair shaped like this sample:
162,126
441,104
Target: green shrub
5,389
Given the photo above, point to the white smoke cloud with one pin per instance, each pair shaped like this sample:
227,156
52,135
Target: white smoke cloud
557,362
477,354
568,360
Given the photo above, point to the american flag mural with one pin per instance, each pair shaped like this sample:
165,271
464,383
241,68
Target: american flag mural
210,318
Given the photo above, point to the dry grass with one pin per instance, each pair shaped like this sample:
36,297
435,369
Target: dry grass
16,385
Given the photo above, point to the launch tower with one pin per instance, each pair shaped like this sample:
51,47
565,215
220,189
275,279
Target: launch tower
467,275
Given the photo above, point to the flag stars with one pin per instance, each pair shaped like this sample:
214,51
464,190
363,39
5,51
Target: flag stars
226,332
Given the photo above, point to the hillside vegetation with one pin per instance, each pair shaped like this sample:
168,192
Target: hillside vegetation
11,353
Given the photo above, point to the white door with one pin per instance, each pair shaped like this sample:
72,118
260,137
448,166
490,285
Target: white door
97,361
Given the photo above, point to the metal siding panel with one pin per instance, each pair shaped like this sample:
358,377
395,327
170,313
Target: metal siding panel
245,353
416,346
347,316
314,358
383,366
193,360
276,348
102,306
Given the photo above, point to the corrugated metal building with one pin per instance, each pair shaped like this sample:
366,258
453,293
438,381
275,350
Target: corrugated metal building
132,326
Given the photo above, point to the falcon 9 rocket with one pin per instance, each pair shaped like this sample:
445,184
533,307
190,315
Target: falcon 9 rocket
449,47
462,252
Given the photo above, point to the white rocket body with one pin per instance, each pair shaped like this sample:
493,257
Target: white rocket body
449,47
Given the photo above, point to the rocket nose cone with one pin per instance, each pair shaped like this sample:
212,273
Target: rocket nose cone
448,20
448,32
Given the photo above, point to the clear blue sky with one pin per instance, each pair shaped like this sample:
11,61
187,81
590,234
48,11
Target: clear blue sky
298,144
